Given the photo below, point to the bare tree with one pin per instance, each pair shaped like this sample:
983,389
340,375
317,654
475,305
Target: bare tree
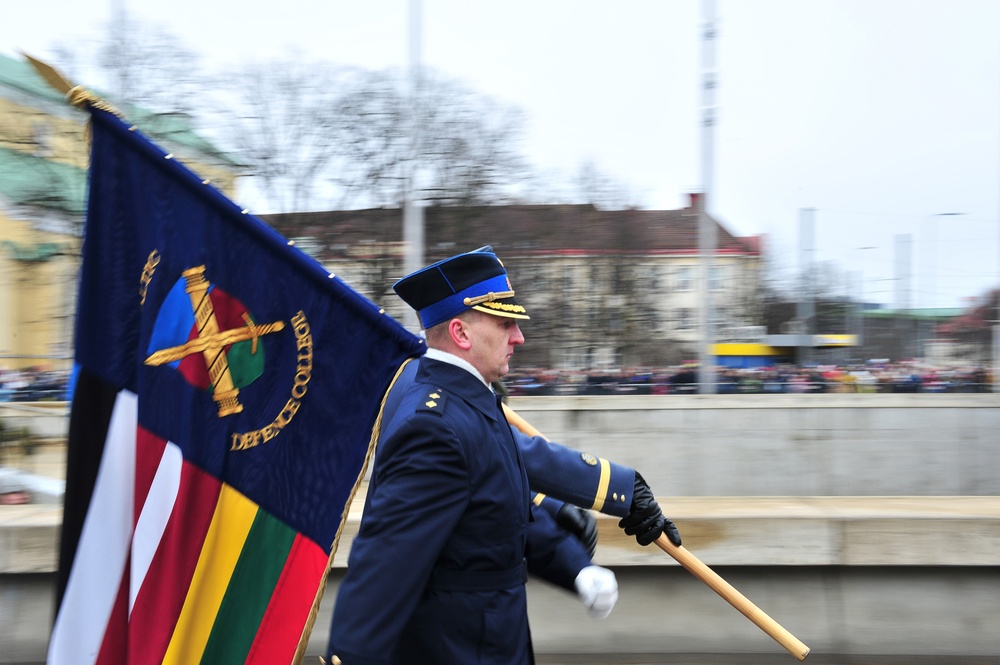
140,66
468,147
149,67
282,121
371,141
316,136
601,190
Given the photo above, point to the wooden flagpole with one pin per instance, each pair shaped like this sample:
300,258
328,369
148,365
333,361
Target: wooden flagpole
703,572
695,566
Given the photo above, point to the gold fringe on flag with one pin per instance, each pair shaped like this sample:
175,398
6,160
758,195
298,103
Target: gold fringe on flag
376,430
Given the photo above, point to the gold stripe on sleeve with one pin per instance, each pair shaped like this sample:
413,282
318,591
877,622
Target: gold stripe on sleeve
602,485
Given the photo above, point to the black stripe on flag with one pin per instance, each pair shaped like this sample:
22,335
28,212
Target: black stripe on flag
93,400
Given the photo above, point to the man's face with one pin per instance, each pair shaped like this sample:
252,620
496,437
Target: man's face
493,341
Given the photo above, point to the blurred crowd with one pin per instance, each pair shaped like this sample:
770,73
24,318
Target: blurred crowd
866,378
42,384
34,384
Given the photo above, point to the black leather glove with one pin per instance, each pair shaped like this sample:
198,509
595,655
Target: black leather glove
581,524
645,520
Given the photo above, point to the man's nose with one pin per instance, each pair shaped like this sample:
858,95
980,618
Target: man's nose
518,336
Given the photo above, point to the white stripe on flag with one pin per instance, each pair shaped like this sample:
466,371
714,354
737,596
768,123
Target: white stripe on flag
153,516
102,552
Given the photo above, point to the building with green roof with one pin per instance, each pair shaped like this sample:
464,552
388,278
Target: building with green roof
43,186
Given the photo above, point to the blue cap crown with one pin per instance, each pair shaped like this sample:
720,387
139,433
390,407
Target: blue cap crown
474,280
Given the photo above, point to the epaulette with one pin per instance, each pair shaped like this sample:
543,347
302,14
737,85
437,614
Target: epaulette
434,402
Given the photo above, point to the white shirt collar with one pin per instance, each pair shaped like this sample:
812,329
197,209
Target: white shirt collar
452,359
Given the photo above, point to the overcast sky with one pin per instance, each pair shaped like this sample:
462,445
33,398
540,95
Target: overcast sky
880,115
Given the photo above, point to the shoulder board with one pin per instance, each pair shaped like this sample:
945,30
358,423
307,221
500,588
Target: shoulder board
434,401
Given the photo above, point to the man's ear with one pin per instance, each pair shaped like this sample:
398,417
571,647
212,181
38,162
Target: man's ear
458,330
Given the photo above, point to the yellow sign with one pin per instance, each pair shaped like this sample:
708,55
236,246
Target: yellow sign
744,349
835,340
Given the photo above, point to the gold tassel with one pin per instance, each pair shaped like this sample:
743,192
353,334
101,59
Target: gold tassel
376,429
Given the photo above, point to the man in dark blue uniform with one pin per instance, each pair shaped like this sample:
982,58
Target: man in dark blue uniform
437,571
573,478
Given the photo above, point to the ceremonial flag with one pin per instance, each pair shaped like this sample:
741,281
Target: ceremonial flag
226,394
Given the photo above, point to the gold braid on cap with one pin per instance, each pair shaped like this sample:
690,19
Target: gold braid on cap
489,297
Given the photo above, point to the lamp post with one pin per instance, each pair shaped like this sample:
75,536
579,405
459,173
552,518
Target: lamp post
861,297
707,231
932,256
996,347
413,214
996,333
924,327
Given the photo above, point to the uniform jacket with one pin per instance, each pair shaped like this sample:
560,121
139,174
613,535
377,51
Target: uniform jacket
436,573
555,470
574,477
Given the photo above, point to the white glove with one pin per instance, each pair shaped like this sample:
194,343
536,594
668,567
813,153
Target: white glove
598,589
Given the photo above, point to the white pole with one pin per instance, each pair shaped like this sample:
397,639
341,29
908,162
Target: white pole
807,298
861,298
903,295
119,31
996,350
706,226
413,218
930,253
996,322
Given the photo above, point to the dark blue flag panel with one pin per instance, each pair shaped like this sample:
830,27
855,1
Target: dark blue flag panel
264,369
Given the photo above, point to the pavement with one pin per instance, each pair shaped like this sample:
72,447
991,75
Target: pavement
755,659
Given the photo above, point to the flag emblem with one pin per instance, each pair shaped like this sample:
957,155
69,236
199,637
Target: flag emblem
210,338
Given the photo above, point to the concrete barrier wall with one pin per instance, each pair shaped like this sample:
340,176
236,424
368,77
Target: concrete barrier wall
901,576
47,420
787,445
756,445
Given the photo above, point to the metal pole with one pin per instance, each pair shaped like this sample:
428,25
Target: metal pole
852,314
996,322
930,252
996,349
861,298
706,226
119,31
996,327
413,218
806,313
902,291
